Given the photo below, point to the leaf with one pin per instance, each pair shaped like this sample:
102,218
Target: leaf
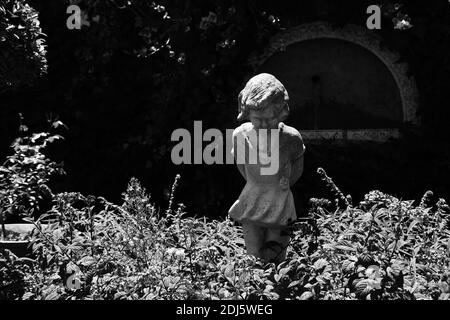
87,261
52,296
49,258
362,288
244,277
348,266
57,124
27,260
120,295
268,288
412,225
444,296
57,249
28,219
268,272
417,249
307,295
320,264
55,277
37,136
27,296
293,283
311,286
54,138
277,277
74,247
400,244
284,271
396,268
257,278
448,247
321,280
444,286
4,170
345,248
360,269
229,272
367,217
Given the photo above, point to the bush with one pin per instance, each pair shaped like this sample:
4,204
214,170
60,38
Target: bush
22,49
25,174
89,248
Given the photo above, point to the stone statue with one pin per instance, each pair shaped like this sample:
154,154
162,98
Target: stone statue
266,205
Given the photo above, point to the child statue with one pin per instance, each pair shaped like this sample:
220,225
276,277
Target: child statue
266,205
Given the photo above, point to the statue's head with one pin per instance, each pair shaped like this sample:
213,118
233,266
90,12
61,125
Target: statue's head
263,101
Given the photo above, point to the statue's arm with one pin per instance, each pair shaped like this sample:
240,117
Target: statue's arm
298,159
297,171
241,166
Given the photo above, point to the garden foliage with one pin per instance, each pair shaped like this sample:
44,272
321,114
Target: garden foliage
24,176
89,248
22,49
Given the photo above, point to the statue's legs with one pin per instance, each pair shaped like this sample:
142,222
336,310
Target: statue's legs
277,242
264,243
254,239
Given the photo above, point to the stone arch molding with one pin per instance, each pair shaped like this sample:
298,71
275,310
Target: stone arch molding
357,35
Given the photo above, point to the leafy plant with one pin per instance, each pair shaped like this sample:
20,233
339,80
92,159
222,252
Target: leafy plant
385,248
89,248
22,49
14,274
25,174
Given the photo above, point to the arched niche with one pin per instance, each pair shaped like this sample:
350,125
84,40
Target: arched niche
342,83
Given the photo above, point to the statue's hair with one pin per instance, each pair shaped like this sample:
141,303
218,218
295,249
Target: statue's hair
261,91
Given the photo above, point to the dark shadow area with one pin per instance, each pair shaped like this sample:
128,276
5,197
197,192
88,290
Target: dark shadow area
121,110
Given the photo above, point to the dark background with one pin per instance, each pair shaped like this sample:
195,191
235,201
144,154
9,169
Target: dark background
122,104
